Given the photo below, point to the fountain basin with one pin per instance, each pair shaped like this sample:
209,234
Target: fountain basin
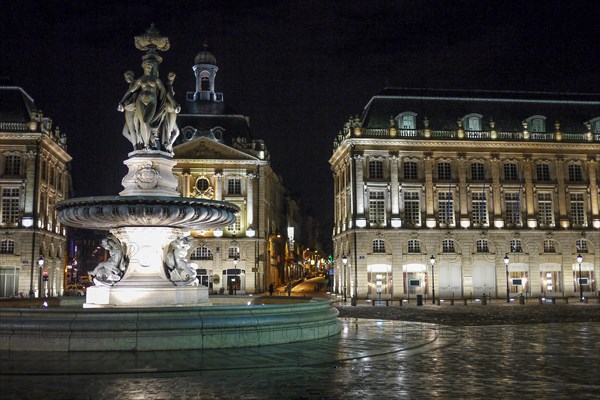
162,328
108,212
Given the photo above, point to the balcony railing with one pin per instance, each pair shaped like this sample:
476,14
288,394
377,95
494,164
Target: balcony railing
350,132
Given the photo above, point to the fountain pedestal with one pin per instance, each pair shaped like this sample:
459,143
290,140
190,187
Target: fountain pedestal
145,283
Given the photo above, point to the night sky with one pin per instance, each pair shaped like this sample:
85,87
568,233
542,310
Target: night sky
299,69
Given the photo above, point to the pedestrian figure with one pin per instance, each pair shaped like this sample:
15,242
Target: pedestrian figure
289,289
271,289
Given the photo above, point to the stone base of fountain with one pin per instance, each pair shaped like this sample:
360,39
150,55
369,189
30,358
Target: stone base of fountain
132,296
71,329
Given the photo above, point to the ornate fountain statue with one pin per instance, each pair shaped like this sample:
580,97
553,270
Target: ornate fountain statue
149,222
149,106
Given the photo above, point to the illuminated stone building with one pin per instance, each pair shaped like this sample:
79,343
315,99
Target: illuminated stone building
34,176
458,194
217,158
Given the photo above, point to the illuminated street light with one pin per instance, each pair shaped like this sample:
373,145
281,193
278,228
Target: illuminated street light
235,262
506,261
579,260
432,261
40,262
345,262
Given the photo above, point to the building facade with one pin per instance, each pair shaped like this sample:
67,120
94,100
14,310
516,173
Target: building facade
34,177
457,194
218,159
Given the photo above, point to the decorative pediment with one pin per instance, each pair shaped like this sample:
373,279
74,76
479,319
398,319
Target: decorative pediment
209,149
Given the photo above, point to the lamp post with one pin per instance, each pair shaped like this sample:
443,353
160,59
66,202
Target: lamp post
235,262
432,261
579,260
345,262
40,262
506,261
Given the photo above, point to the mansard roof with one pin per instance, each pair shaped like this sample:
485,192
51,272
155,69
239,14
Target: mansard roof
507,109
222,127
15,105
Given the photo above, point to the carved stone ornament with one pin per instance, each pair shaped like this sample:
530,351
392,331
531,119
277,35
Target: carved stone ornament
181,271
147,177
152,40
111,271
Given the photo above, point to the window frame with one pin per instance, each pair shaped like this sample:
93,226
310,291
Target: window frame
234,186
410,170
375,169
378,246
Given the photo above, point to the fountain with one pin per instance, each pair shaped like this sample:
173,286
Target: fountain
146,295
148,220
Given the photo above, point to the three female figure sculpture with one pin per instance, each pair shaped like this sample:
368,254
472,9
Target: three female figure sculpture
150,109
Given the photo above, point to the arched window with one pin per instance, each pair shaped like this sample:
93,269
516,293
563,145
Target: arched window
414,246
378,246
234,252
205,81
483,246
448,246
201,253
515,246
581,245
549,246
7,246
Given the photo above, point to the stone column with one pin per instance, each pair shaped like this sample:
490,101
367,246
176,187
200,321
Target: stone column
592,175
530,209
429,193
465,221
218,186
250,200
496,193
186,190
562,196
396,222
394,184
359,182
29,184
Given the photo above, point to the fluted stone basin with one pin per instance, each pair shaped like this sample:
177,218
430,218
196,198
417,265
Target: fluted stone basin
108,212
177,328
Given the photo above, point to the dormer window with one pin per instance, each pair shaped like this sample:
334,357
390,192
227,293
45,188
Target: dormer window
407,120
472,122
594,125
537,123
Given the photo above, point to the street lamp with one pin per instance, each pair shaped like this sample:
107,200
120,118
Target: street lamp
506,261
345,262
579,260
235,262
432,261
40,262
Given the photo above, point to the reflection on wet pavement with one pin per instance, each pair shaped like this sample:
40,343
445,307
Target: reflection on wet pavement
370,358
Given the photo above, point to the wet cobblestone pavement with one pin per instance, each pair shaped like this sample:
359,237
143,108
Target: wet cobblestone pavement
371,359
